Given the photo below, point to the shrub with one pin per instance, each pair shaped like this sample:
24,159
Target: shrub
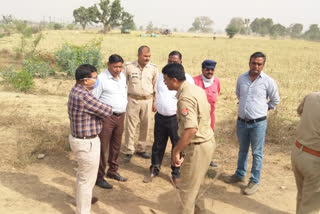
70,26
69,57
22,81
57,26
38,67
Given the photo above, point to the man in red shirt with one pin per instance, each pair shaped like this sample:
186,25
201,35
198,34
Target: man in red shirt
211,86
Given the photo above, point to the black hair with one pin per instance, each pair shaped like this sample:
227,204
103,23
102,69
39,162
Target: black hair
258,54
176,53
84,71
143,47
174,70
114,58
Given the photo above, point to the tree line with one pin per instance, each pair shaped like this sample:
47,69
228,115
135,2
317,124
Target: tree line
266,27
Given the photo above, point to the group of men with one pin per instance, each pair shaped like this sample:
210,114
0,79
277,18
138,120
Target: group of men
185,113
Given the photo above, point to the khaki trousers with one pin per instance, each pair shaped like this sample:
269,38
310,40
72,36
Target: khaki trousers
87,153
306,168
138,111
193,172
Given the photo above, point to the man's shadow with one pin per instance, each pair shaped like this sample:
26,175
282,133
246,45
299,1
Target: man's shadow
31,187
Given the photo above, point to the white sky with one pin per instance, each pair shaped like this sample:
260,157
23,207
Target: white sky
175,13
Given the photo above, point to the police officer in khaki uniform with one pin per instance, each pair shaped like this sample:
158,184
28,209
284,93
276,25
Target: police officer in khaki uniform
141,78
196,145
305,157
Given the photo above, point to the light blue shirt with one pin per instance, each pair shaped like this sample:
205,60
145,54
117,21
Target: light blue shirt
112,91
257,97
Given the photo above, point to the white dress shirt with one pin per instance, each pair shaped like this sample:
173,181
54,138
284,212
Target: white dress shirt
166,100
112,91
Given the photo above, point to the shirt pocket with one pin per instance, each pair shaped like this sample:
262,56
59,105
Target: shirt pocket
134,77
212,95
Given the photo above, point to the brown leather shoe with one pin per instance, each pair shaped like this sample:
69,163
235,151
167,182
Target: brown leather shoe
94,200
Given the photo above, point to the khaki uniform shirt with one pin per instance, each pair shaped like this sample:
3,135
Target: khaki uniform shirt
141,82
194,112
308,130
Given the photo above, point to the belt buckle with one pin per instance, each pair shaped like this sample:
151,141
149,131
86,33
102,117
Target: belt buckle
246,120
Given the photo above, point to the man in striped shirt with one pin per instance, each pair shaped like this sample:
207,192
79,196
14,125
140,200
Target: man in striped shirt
86,113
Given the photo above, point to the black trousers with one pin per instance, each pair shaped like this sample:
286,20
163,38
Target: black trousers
164,127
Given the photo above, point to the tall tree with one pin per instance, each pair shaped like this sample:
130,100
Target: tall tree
238,23
81,16
278,30
261,26
313,33
202,24
295,30
127,22
232,30
107,13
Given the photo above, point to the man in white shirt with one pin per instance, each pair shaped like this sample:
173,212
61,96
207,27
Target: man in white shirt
111,88
166,123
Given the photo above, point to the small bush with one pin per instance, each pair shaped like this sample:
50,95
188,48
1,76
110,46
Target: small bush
37,67
69,57
57,26
22,81
70,26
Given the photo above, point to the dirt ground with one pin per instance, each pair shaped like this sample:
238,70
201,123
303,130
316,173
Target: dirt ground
48,185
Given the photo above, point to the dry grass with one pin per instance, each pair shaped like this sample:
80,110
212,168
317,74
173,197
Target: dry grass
294,65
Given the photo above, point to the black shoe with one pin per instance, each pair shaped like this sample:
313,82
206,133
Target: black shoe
127,157
143,155
117,177
104,184
213,164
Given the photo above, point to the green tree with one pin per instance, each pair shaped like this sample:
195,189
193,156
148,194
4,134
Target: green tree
202,24
232,30
127,22
278,30
107,13
238,23
295,30
313,33
81,16
261,26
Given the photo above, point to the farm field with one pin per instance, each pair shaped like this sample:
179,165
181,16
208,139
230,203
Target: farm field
37,122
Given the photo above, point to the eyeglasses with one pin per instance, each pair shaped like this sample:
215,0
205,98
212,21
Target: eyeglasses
93,78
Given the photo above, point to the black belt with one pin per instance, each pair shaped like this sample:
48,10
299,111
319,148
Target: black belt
253,120
90,137
117,114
